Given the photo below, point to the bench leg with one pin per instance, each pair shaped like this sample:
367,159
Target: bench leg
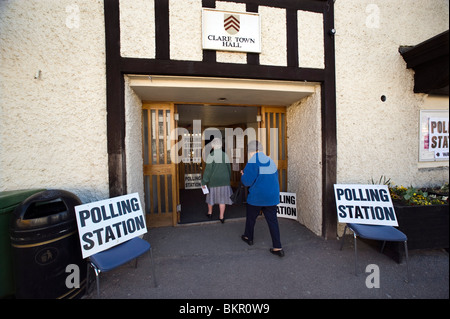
356,254
407,266
343,236
153,268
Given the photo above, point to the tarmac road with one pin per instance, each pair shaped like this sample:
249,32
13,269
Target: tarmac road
210,261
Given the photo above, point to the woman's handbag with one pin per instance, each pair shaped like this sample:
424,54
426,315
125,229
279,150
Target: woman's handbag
240,194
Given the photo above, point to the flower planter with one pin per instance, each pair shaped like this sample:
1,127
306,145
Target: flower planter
426,227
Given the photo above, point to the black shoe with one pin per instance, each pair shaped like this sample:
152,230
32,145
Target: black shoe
248,241
279,253
208,215
222,220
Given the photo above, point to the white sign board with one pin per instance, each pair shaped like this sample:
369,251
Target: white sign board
364,204
106,223
231,31
287,208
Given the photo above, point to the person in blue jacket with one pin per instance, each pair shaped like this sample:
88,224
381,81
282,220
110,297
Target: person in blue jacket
261,175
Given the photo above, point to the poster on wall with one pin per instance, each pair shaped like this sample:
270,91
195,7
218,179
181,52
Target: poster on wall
433,134
438,136
192,181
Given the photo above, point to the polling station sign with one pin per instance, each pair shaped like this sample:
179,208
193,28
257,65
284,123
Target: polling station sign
106,223
438,136
287,208
364,204
192,181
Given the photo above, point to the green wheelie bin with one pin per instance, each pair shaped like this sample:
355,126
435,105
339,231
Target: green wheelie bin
9,200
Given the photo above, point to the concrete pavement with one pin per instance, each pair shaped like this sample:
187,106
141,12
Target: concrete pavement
210,261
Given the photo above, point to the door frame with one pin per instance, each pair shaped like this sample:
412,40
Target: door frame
282,149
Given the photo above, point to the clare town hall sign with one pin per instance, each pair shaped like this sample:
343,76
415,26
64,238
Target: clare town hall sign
231,31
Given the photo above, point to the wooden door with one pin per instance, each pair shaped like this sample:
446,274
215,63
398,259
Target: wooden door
160,182
274,138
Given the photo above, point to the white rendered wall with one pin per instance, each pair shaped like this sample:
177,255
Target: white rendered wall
137,28
133,142
376,138
185,23
305,159
53,128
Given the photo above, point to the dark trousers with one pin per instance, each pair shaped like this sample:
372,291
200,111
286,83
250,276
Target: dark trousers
270,214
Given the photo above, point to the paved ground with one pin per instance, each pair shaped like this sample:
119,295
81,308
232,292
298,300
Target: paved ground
210,261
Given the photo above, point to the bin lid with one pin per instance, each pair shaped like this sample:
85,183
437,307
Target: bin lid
43,209
9,200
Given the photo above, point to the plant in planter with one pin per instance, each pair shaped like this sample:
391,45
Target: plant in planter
422,214
412,196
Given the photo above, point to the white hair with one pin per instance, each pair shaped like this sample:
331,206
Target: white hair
216,143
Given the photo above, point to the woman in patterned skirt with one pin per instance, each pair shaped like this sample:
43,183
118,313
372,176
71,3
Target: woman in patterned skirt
217,177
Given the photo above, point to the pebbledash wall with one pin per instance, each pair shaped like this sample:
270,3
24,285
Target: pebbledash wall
53,96
54,128
378,138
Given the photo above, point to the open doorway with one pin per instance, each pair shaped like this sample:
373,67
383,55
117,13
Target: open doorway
172,182
202,123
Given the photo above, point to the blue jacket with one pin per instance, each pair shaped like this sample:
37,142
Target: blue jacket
261,175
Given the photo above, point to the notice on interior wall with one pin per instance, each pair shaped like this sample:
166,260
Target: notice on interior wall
364,204
192,181
438,136
231,31
106,223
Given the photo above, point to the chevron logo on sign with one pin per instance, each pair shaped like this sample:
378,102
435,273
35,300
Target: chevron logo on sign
231,23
